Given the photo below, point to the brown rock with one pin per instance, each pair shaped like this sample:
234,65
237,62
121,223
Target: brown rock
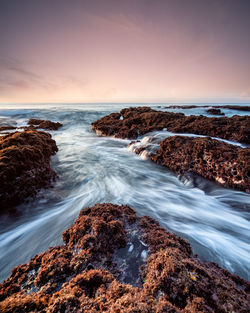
235,107
132,122
212,159
24,165
7,127
80,275
215,111
185,106
44,124
229,107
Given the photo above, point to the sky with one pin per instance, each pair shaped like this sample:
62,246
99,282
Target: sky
124,50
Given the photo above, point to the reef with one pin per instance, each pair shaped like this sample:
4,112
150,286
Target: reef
33,124
24,165
212,159
7,127
44,124
229,107
235,107
85,274
133,122
215,111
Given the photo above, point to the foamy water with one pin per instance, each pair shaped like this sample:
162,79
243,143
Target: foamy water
93,169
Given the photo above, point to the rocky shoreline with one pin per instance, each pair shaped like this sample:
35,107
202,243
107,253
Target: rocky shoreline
215,160
87,273
111,260
229,107
25,162
212,159
133,122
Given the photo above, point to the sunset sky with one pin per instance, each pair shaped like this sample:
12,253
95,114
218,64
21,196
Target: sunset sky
124,50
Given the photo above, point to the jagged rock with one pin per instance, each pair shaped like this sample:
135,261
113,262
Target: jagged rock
215,111
132,122
81,275
24,165
44,124
212,159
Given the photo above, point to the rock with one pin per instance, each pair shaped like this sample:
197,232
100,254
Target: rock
215,111
44,124
24,165
133,122
235,107
184,106
7,127
81,276
229,107
212,159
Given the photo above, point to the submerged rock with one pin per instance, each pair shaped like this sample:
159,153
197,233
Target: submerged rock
132,122
24,165
83,275
44,124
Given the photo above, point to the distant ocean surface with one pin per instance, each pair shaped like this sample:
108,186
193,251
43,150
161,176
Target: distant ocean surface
93,169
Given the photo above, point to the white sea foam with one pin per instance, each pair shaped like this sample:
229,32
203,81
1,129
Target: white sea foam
94,169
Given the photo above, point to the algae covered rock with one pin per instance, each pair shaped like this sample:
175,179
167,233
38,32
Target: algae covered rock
24,165
85,274
133,122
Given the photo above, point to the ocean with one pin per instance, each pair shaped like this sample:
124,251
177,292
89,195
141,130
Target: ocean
93,169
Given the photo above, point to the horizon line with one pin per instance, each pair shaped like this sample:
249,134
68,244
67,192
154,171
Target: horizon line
129,102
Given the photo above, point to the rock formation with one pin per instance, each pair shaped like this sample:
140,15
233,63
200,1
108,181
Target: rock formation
44,124
24,165
212,159
87,273
215,111
229,107
132,122
7,127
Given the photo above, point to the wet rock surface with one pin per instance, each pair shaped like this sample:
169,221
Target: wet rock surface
229,107
82,275
133,122
6,127
33,124
235,107
212,159
24,165
215,111
44,124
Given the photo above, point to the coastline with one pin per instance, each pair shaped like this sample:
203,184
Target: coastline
194,303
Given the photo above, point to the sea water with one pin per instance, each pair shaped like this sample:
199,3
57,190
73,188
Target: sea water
93,169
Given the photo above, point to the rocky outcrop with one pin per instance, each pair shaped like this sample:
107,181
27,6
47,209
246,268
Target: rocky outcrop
215,111
24,165
7,127
34,124
44,124
212,159
235,107
132,122
85,275
229,107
